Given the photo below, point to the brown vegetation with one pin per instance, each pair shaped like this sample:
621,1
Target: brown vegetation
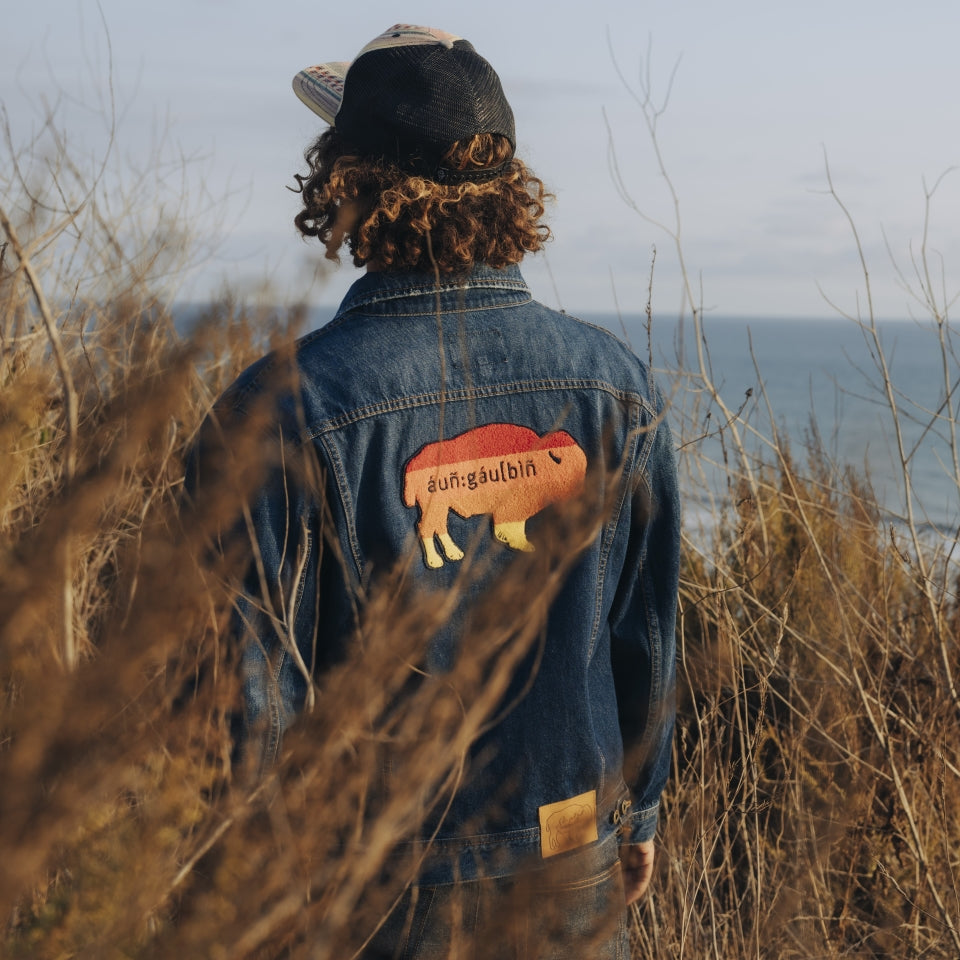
812,810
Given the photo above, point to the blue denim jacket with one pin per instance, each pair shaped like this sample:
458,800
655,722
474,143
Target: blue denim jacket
432,407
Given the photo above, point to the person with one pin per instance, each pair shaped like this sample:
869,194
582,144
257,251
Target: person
457,422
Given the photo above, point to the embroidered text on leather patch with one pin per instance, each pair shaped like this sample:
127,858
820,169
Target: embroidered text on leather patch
568,824
500,469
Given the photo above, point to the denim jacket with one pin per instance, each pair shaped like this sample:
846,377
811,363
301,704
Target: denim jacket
460,412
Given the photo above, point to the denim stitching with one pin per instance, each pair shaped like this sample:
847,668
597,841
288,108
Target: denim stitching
416,400
415,937
431,311
346,501
431,289
609,533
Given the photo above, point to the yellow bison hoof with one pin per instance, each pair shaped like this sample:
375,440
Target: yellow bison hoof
514,535
430,556
433,559
450,549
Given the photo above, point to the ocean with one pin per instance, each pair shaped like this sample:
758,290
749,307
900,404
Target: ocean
823,376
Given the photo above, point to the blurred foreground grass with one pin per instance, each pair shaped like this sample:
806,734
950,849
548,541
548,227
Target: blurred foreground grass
812,812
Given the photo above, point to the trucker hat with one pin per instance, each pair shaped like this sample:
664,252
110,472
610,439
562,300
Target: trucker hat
408,96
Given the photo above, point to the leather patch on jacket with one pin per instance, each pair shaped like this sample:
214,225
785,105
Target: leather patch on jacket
500,469
568,824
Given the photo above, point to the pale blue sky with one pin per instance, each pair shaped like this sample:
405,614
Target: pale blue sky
761,91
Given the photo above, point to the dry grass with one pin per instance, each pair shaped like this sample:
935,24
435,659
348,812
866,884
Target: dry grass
812,810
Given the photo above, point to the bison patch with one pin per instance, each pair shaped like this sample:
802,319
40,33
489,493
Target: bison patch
499,469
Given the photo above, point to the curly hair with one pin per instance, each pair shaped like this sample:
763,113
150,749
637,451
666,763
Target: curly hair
396,220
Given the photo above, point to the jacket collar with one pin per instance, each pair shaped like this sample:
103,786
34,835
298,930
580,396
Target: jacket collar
380,287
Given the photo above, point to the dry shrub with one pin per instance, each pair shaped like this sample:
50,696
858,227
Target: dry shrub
816,773
817,766
816,758
126,827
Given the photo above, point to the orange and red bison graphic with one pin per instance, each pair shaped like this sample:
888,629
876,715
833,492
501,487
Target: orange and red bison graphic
501,469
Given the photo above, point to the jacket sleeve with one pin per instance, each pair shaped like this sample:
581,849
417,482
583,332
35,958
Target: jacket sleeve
251,490
295,614
643,622
273,621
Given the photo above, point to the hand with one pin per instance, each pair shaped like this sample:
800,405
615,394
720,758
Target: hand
637,861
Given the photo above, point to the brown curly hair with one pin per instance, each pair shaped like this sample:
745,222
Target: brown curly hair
396,220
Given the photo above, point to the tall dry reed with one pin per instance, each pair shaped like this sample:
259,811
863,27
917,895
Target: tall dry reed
811,811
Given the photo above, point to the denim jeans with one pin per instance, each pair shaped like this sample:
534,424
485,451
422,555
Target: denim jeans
570,908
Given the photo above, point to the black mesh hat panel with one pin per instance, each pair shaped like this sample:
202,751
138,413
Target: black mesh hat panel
409,104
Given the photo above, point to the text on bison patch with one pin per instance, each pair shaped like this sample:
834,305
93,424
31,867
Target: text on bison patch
501,469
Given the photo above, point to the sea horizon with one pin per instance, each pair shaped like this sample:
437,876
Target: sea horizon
816,376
